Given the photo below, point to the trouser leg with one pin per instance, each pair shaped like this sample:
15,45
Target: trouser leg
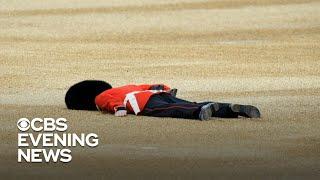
165,105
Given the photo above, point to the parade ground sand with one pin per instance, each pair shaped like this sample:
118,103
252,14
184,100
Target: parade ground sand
260,52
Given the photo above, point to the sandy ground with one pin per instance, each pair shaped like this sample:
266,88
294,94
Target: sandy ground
260,52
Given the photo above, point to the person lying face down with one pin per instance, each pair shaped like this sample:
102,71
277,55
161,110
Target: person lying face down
157,100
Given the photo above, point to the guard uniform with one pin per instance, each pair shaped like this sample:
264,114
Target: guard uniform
153,100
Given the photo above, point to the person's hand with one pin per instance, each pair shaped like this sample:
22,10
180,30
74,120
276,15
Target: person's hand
157,87
120,113
173,92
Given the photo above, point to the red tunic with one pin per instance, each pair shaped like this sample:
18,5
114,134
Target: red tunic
133,97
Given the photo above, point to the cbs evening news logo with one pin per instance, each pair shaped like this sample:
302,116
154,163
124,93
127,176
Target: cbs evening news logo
39,140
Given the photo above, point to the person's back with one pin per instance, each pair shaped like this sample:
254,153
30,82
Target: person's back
132,97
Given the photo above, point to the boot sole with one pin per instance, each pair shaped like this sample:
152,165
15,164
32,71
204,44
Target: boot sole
248,110
207,111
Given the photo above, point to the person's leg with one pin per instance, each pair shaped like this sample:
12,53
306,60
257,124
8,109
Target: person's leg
165,105
227,110
248,111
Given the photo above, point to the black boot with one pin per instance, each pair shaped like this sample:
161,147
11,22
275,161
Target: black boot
207,111
246,110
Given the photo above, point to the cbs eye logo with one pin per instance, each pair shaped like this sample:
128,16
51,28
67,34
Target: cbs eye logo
23,124
45,124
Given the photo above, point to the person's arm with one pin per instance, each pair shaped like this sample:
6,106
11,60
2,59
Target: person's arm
163,87
155,87
112,104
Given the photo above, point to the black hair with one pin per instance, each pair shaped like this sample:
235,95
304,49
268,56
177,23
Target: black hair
81,95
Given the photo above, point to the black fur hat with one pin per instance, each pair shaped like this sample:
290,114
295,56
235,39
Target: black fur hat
81,96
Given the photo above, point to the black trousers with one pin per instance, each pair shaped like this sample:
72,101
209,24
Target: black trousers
165,105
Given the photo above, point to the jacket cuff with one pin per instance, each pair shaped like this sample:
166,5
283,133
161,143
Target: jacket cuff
118,108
